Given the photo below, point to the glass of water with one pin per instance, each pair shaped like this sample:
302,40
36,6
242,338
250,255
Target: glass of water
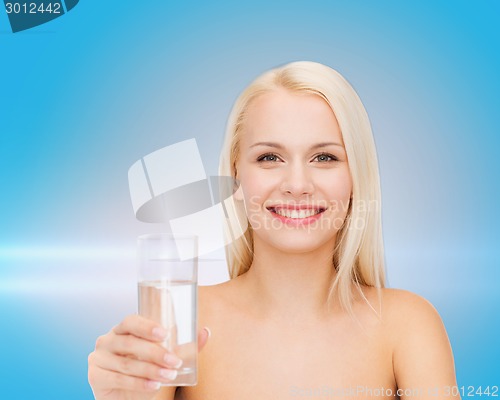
168,272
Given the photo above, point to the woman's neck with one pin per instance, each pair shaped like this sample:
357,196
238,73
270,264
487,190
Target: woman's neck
289,286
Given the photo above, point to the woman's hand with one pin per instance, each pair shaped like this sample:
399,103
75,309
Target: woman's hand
129,362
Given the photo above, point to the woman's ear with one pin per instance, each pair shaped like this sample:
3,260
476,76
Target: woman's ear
238,191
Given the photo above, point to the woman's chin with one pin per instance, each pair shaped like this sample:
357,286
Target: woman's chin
296,242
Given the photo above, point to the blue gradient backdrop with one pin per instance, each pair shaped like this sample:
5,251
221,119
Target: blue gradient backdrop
86,95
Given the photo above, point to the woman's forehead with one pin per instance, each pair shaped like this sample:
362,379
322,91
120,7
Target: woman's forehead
287,117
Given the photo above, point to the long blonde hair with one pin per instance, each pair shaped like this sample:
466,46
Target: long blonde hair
358,254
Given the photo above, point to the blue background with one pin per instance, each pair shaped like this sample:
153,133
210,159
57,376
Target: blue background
86,95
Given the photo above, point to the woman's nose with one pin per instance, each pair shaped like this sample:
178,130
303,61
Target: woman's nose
297,181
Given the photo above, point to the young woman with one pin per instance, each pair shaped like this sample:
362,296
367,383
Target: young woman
305,313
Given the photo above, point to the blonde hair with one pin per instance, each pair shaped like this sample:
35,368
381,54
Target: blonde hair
358,254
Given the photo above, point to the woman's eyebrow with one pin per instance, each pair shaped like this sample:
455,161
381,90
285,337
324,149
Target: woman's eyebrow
279,146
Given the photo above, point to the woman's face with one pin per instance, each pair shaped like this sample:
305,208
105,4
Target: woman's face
293,171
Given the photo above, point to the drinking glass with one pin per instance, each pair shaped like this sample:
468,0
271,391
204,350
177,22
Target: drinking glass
168,294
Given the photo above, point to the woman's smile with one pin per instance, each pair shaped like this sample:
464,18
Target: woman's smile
296,215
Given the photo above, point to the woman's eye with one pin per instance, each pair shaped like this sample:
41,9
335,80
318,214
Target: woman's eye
326,157
268,157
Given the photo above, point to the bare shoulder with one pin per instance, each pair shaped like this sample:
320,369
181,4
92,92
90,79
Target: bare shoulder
401,297
403,306
397,307
225,291
422,355
405,314
214,298
213,291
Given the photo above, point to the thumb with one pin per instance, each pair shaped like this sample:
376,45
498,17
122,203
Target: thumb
203,336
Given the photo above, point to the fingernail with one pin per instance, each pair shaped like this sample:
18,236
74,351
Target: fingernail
154,385
172,360
208,331
170,374
160,333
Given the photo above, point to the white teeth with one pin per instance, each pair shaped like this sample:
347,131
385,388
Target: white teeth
296,214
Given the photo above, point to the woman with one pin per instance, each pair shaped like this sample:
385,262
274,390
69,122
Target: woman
305,312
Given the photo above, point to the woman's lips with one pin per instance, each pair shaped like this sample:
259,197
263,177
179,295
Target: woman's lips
297,221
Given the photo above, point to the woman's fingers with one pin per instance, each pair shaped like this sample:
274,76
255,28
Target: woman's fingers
131,358
203,336
105,379
135,368
141,327
129,345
